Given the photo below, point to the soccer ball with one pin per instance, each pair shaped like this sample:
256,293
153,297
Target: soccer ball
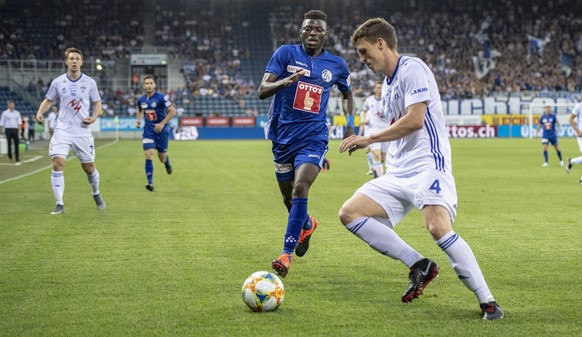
263,291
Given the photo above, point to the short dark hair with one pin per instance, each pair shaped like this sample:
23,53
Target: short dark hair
374,29
73,50
315,14
150,76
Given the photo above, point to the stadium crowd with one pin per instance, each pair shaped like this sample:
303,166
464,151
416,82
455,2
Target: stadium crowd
476,49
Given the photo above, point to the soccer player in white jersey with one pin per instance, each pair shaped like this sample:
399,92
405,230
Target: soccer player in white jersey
576,123
419,162
75,91
375,120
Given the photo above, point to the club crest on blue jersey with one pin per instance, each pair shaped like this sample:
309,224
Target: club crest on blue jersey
326,75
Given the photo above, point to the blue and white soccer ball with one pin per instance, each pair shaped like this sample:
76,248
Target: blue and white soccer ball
263,291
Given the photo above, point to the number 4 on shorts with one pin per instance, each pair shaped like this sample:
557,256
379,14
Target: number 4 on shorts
436,186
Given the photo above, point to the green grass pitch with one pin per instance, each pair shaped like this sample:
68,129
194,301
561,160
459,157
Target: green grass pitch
172,262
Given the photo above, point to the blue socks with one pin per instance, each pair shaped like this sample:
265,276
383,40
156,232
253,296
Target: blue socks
167,162
297,218
546,156
149,169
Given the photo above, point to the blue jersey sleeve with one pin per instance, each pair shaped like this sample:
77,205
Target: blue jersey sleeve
278,62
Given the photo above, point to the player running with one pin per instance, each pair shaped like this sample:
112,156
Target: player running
420,170
576,123
548,122
74,91
158,111
301,77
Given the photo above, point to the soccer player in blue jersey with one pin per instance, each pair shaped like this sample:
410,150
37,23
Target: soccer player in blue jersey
548,123
300,77
420,170
158,111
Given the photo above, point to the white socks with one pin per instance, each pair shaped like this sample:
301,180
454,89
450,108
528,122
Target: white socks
370,158
465,265
384,240
379,169
94,181
577,160
58,183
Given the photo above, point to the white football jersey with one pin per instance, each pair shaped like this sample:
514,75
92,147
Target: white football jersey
75,98
577,112
413,82
375,115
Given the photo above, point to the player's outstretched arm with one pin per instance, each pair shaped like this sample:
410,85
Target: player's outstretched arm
44,106
348,108
540,126
407,124
270,86
139,114
95,115
160,126
353,143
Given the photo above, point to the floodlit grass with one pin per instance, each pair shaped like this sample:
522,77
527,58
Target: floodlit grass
173,262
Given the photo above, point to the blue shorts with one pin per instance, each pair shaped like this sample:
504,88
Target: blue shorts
552,140
158,141
288,157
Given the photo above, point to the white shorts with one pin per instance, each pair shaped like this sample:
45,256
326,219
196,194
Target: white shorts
398,195
580,143
83,147
381,146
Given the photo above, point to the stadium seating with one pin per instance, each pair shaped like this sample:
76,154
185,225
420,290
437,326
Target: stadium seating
19,104
477,49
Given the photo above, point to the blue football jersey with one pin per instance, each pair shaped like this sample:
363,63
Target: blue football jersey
548,125
298,112
154,110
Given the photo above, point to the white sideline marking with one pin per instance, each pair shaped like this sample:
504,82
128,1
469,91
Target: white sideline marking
46,167
21,162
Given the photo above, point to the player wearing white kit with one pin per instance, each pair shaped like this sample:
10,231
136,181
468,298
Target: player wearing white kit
576,123
419,162
75,91
375,120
